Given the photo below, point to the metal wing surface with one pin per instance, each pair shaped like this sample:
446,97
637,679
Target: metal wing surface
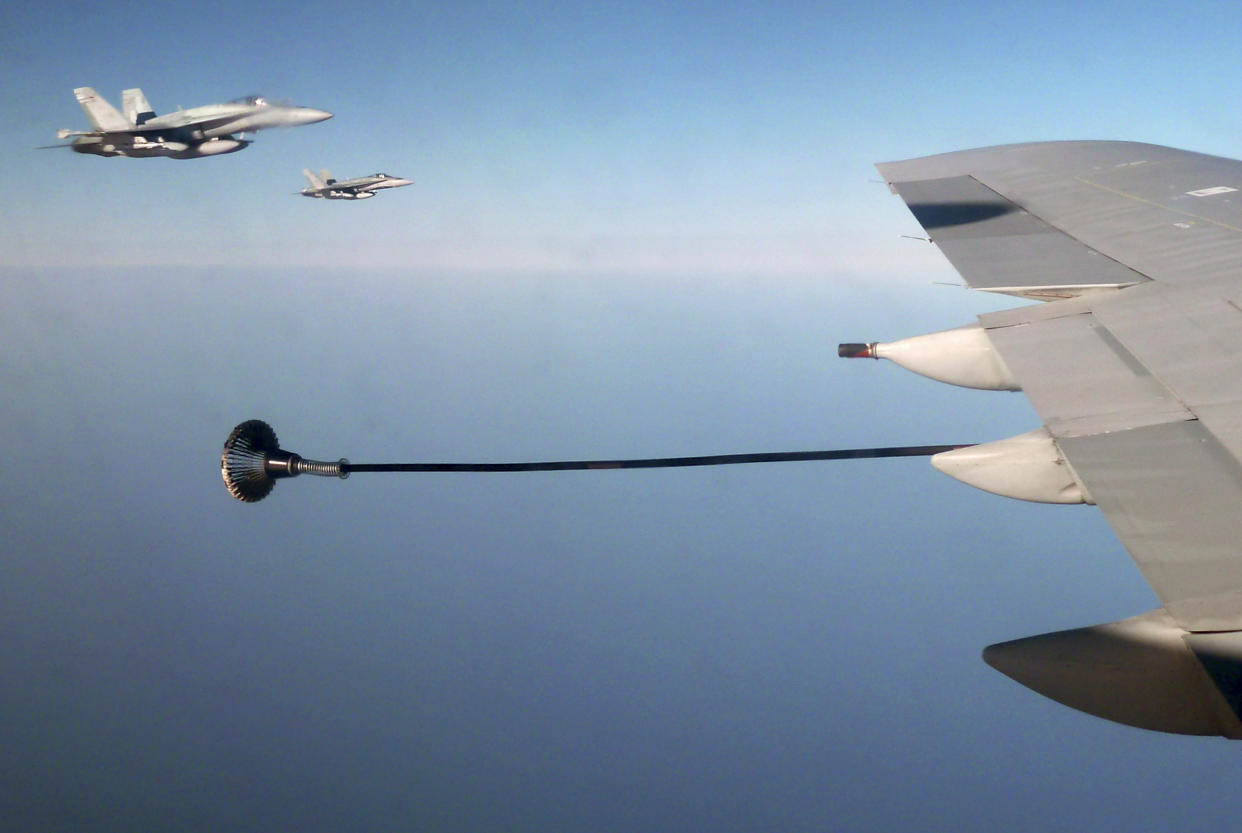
1137,372
178,124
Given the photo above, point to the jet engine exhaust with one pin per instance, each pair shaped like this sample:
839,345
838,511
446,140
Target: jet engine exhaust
857,351
252,461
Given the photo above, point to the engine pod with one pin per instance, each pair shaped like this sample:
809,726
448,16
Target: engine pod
1141,672
962,356
1029,466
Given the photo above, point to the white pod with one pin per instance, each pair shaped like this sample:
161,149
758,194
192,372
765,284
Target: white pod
1145,671
1029,466
963,356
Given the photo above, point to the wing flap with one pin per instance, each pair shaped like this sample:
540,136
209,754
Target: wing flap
998,246
1142,392
1099,387
1172,493
1190,337
1166,214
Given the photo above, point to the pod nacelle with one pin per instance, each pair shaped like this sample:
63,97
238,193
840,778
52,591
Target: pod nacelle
963,356
1145,672
1029,466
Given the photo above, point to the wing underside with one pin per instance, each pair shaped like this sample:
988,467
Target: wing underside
1140,387
1155,440
998,246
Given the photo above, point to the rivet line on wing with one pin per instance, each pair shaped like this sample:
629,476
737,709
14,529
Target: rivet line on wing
1157,204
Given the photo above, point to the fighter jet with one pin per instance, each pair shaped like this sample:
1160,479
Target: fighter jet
209,130
364,187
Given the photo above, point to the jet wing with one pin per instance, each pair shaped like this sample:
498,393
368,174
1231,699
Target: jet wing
1140,387
1077,214
353,185
184,125
173,125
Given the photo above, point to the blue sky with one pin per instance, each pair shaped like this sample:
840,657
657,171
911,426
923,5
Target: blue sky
636,230
630,137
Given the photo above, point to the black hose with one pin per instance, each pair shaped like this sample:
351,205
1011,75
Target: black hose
658,462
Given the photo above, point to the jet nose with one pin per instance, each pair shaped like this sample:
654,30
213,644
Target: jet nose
309,115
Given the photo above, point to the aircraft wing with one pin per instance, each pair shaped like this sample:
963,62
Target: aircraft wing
1137,372
174,123
170,125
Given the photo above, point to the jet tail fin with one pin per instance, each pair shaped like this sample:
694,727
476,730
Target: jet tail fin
104,117
326,176
135,107
315,181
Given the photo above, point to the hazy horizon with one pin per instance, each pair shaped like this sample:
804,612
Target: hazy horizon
634,230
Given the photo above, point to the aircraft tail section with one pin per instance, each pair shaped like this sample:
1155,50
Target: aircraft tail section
314,181
326,177
104,117
135,107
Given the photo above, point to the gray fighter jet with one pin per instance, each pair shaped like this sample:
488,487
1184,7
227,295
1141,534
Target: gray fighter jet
209,130
361,188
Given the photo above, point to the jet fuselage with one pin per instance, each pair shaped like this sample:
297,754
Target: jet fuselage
210,130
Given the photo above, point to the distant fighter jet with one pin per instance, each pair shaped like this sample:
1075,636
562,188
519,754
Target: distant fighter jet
325,187
186,134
